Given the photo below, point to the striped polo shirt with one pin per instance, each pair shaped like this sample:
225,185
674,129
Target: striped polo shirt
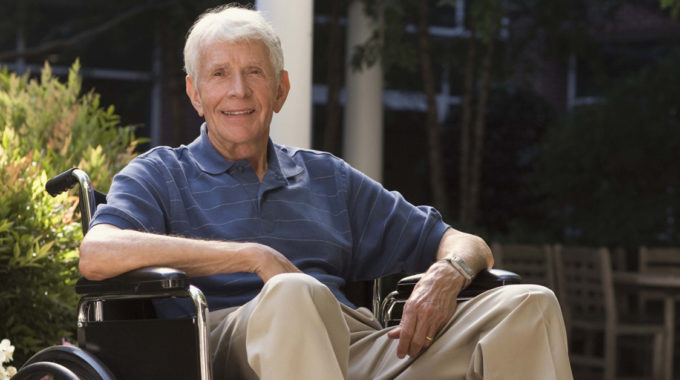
330,220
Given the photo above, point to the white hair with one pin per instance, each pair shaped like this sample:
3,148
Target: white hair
230,23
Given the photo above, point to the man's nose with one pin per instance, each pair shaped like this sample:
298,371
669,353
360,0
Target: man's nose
238,87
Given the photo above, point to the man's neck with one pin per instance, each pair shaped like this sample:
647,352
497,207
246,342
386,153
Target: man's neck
259,166
256,156
255,153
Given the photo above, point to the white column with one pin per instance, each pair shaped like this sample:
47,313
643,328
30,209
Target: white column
363,144
293,21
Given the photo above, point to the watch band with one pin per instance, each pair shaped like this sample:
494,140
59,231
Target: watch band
461,267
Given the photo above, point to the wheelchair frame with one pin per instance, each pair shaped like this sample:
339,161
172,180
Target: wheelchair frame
152,283
142,284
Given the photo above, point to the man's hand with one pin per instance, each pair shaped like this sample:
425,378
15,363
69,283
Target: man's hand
428,309
271,262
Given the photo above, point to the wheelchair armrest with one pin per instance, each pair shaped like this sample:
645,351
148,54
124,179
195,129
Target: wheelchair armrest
485,280
139,281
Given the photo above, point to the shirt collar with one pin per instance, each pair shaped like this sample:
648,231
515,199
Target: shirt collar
206,156
285,163
212,162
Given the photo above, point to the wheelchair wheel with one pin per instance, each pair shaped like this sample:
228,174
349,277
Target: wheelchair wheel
45,371
63,363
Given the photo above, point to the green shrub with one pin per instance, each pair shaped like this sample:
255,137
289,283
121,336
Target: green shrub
610,170
47,127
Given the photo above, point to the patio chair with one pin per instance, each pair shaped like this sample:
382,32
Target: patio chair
533,262
594,326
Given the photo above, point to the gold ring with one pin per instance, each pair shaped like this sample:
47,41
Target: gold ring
428,338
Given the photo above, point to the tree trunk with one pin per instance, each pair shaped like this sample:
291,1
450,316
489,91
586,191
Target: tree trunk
332,134
465,127
479,132
435,156
175,127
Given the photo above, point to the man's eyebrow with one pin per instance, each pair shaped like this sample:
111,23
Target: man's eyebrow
258,63
217,65
222,65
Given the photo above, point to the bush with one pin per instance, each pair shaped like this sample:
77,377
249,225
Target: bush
47,127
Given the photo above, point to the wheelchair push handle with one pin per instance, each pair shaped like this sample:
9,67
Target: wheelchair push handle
88,198
61,182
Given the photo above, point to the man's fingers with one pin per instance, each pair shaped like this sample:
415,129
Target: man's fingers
420,324
435,322
429,337
394,333
412,332
420,340
404,343
406,327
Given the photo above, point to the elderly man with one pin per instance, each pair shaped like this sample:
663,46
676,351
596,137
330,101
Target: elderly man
271,234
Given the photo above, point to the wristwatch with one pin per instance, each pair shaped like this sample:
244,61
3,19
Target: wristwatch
462,267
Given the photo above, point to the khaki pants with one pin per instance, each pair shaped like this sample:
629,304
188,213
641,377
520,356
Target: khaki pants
296,329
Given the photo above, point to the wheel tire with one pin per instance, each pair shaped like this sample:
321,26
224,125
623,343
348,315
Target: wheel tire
64,362
45,370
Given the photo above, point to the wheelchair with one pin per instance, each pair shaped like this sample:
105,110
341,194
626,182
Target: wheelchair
120,336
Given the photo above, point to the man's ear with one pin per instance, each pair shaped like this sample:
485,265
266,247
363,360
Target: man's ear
281,90
192,92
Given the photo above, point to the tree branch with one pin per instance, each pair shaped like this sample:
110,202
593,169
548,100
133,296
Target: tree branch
80,37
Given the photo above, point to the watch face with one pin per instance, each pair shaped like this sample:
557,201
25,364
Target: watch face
463,265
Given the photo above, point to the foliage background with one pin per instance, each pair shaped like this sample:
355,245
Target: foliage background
601,172
613,166
47,127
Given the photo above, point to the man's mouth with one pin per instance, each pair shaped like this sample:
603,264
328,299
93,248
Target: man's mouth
237,113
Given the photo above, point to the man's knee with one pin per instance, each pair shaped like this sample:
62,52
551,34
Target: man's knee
529,290
292,281
292,286
528,295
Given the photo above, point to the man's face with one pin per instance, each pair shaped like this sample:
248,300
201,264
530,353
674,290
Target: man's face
237,91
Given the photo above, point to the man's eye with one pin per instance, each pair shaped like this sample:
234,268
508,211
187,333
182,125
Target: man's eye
217,74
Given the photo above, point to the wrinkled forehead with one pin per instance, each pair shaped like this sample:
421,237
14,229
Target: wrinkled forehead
242,51
256,43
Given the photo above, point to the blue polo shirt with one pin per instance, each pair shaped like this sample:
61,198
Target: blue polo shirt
333,222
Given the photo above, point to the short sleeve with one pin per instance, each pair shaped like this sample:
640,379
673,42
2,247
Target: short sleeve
137,199
390,235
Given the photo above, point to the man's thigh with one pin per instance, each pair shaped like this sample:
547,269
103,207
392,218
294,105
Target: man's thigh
481,340
374,356
294,322
228,343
